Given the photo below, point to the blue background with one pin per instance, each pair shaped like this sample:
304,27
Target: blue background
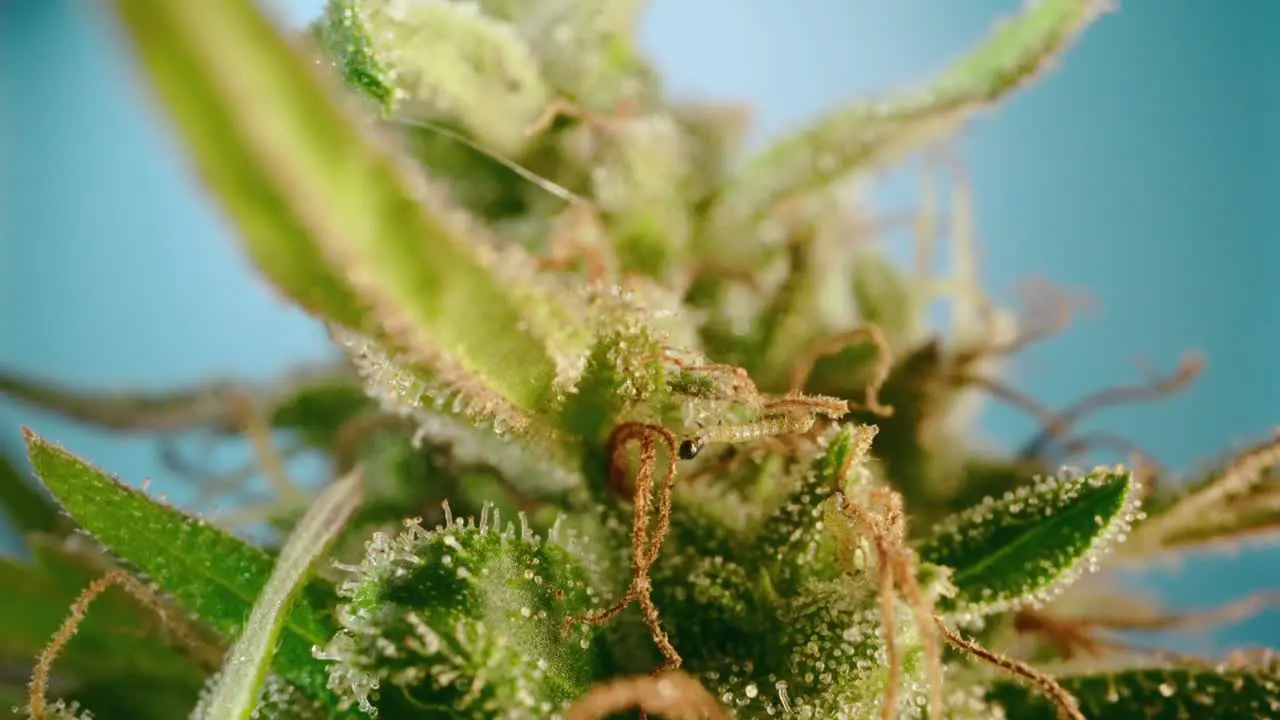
1144,170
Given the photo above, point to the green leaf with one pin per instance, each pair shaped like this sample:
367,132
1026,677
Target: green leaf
868,133
1225,693
1035,540
216,576
312,190
234,696
469,618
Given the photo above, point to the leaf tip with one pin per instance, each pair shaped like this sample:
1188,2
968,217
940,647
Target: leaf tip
1029,545
37,447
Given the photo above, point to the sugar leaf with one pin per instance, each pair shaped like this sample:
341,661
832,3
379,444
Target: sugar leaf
1035,540
1223,693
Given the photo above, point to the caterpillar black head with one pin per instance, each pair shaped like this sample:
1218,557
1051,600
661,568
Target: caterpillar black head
690,448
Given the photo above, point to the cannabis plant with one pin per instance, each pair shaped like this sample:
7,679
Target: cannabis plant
622,425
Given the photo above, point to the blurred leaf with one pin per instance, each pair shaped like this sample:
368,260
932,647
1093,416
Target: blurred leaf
1237,502
312,190
127,411
984,475
234,695
791,319
479,180
213,574
190,67
29,509
887,298
588,48
313,401
119,638
1033,541
869,133
1244,693
119,646
12,697
435,60
122,697
316,412
715,133
638,181
916,389
339,33
1258,520
848,371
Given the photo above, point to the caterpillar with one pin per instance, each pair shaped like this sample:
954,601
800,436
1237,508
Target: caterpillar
767,426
